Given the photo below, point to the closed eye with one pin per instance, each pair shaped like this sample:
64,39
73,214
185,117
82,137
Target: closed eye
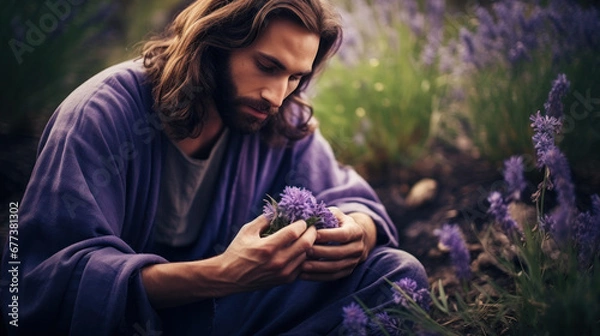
266,68
272,66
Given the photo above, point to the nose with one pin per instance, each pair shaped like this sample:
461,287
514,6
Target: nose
275,92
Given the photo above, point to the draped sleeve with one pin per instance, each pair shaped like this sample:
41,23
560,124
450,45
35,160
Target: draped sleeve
86,215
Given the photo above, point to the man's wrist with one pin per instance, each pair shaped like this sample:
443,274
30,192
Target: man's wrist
174,284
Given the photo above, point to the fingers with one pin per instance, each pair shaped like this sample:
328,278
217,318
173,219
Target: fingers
348,232
293,268
291,244
292,233
336,252
256,226
336,212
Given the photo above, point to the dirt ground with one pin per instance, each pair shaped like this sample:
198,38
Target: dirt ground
463,184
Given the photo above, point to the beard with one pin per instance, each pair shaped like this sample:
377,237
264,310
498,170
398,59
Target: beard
229,104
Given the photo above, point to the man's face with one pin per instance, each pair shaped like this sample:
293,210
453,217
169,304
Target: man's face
258,78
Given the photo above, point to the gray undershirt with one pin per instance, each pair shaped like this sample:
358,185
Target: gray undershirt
186,189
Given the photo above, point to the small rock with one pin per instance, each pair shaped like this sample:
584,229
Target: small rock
451,213
484,260
422,192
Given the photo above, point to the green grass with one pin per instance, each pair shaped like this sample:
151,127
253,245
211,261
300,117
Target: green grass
378,111
501,99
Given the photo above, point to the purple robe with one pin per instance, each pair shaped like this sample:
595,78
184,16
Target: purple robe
86,224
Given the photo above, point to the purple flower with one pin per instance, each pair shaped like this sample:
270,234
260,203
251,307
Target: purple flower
409,287
560,175
414,19
548,155
545,124
511,32
554,106
546,223
467,39
383,321
499,210
513,176
435,19
326,219
545,128
297,204
587,233
352,44
487,26
355,320
451,237
596,206
429,53
518,53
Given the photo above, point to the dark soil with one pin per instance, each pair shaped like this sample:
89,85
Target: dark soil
463,184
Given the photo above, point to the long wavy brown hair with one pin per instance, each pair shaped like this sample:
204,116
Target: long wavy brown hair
182,62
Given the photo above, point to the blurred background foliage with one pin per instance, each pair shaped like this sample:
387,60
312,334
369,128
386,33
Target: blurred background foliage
51,47
413,75
410,75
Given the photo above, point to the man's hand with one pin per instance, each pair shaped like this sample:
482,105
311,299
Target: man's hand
338,251
252,262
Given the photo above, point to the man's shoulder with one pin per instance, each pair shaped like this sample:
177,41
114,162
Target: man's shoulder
123,86
113,98
125,77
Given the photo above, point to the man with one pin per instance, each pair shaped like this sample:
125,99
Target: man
143,213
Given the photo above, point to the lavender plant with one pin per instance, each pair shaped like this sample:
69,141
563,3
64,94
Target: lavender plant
550,286
558,261
503,54
406,295
297,204
451,239
355,320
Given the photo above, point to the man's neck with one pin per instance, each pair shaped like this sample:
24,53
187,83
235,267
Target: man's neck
201,146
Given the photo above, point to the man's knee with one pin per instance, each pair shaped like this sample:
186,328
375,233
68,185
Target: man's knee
396,264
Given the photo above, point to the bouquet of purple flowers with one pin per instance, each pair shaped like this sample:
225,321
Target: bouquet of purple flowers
297,204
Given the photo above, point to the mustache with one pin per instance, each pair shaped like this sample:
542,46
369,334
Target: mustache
257,104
